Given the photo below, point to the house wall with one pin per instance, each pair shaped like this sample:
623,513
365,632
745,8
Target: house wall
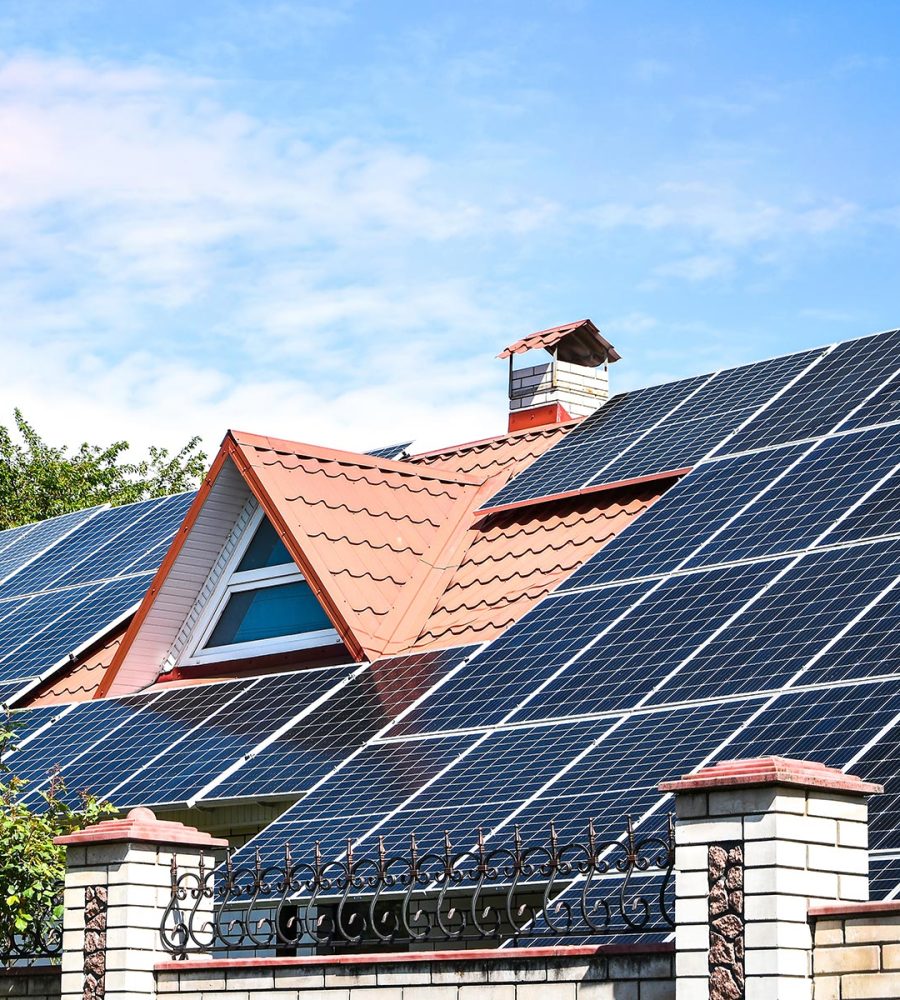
627,973
34,983
857,952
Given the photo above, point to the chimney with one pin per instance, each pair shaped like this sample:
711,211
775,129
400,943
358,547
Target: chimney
573,384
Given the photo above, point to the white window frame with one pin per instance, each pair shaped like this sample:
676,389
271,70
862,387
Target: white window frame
232,582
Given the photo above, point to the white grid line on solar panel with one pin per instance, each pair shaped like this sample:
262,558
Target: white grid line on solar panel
177,770
10,535
105,606
317,748
854,372
559,629
649,645
161,724
623,418
551,757
74,734
390,451
882,408
153,531
41,539
47,715
682,439
102,549
832,477
679,523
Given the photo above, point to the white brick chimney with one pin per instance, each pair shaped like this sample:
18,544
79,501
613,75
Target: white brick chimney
573,384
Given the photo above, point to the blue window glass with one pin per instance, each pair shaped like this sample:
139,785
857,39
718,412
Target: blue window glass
266,549
268,612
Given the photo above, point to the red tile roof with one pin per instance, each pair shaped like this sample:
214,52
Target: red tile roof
80,681
506,454
516,557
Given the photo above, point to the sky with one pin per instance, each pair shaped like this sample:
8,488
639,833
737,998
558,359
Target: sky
322,221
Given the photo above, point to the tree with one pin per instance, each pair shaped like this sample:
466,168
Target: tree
32,867
39,480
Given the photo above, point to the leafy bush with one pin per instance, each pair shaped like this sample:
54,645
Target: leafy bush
32,867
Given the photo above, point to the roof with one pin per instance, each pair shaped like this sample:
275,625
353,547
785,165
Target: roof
81,681
592,346
505,455
516,557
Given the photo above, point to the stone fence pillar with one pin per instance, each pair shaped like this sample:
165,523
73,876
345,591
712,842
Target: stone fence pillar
757,843
118,885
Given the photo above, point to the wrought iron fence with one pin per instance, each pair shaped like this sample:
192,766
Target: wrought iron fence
585,888
39,941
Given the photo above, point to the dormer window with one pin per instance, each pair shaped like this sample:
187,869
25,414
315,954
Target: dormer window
261,605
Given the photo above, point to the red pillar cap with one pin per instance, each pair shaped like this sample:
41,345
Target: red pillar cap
141,826
771,771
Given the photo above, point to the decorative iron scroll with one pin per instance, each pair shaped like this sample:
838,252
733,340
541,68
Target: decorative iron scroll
40,941
498,893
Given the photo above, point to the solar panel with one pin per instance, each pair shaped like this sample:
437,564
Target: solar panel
80,731
221,736
789,625
684,517
392,451
75,577
651,640
30,542
307,751
493,683
884,876
826,394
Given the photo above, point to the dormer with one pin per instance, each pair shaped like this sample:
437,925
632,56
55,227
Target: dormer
573,384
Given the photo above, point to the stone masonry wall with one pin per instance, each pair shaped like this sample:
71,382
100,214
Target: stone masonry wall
726,921
645,973
856,955
33,983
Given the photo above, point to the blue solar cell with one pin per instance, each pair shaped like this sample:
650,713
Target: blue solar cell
8,691
155,528
884,406
871,647
809,499
790,624
648,642
493,683
596,442
226,733
26,722
684,518
884,876
317,744
32,619
824,396
70,624
83,730
168,718
828,725
40,537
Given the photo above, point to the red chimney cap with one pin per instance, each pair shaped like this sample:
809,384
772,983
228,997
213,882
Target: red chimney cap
583,344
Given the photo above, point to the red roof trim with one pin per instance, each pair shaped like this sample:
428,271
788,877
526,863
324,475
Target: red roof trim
602,488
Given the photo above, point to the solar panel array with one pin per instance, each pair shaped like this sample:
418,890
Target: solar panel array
64,582
753,610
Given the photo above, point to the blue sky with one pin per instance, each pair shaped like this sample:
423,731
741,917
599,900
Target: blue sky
322,221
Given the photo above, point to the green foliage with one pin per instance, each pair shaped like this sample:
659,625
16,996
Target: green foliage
39,480
32,867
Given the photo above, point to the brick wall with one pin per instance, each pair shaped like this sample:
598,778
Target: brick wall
856,955
574,973
34,983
